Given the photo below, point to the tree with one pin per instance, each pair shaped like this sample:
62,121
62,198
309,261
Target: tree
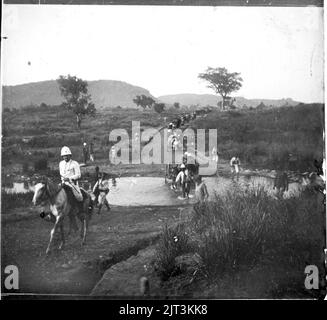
143,101
222,81
75,92
159,107
176,105
261,105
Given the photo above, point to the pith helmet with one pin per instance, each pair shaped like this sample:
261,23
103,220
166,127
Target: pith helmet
65,151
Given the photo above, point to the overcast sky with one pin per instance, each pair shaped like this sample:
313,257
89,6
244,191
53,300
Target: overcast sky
278,51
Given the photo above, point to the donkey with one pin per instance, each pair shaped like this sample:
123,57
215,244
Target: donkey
61,205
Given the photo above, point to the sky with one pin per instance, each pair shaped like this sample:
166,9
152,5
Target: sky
277,51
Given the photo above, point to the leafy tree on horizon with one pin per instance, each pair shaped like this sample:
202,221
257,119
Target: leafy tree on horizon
159,107
222,82
75,92
176,105
143,101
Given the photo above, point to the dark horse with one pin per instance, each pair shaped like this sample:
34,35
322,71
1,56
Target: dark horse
61,202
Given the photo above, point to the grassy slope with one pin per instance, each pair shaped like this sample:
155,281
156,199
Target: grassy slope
265,138
261,138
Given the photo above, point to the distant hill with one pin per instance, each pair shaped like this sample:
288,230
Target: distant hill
104,93
112,93
209,99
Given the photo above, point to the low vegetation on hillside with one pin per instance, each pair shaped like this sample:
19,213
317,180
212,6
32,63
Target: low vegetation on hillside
287,137
267,138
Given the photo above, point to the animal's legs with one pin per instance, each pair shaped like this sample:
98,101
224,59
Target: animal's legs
84,230
62,236
72,221
107,204
52,233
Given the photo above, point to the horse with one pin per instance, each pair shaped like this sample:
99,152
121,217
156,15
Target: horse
61,202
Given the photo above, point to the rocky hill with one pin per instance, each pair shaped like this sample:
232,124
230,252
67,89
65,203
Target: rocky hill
104,93
112,93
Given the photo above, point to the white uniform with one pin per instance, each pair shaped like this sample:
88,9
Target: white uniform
234,163
71,170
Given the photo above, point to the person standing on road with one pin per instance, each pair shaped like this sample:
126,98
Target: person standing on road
201,191
85,152
235,166
181,178
91,151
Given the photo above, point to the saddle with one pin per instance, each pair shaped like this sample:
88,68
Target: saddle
71,198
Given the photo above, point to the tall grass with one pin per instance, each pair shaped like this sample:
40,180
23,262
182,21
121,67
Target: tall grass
237,229
15,200
173,243
233,229
243,228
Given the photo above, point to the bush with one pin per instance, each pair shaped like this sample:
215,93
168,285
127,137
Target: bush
41,164
173,243
236,229
14,200
25,167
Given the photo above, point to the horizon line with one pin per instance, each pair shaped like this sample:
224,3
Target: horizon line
162,95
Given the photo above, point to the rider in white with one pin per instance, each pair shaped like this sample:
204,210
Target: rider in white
70,172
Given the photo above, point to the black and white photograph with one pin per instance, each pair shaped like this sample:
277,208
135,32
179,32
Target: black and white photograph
163,151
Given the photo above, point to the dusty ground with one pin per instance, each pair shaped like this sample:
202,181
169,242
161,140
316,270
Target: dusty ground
113,236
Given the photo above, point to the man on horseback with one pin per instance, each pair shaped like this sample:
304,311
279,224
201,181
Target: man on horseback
70,173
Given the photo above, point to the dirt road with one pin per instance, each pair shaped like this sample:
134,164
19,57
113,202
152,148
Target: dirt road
113,236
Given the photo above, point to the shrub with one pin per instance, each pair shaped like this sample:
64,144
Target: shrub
173,242
25,167
235,230
14,200
41,164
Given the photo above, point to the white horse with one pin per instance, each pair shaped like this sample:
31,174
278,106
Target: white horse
62,203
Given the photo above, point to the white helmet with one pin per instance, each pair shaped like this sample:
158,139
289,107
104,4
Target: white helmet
65,151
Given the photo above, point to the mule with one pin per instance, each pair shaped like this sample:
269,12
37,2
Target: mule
61,205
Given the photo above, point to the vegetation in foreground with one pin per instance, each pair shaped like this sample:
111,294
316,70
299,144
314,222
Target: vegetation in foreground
246,232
